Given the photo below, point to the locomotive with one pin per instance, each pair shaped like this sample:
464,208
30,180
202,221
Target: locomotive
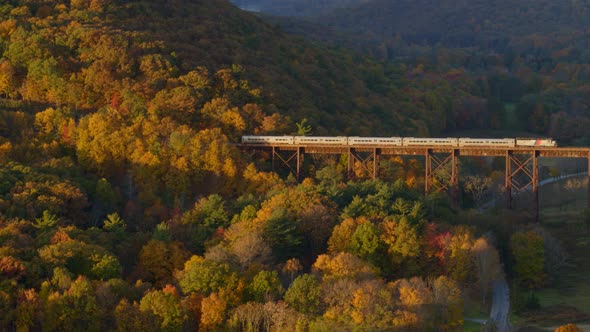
398,141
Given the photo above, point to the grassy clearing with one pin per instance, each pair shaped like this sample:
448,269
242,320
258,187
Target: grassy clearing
567,299
472,327
473,311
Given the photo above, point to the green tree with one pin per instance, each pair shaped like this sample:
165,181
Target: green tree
265,286
166,306
529,258
81,258
305,294
281,233
401,239
74,310
114,223
303,128
106,194
199,223
105,267
47,221
342,234
365,241
202,275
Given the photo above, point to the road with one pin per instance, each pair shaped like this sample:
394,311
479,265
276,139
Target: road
500,305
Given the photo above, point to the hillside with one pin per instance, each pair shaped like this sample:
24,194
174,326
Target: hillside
337,91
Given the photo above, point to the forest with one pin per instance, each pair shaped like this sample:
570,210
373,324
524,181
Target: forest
125,204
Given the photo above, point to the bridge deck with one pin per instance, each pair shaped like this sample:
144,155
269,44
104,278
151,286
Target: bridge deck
548,152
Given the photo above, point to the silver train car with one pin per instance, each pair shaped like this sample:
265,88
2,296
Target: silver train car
359,141
420,141
398,141
338,140
268,140
508,142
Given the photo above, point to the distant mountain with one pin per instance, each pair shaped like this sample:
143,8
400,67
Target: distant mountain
460,23
299,8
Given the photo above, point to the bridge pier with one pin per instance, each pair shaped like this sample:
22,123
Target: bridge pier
536,185
367,160
526,171
376,159
588,175
508,180
444,181
455,193
300,159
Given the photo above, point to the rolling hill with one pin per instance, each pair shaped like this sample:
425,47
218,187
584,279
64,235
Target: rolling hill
490,23
297,8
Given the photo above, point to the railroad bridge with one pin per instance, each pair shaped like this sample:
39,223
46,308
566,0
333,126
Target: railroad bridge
521,171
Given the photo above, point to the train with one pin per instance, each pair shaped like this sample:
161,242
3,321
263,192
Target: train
398,141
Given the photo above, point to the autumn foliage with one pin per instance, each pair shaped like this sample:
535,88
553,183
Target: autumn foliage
126,205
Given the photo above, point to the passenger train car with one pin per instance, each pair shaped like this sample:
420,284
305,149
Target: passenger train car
397,141
357,141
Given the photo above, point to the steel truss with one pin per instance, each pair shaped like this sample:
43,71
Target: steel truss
288,158
438,177
368,161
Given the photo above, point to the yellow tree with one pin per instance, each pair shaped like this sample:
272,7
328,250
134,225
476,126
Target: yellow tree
8,82
343,265
158,260
27,309
129,317
401,239
213,154
260,183
373,306
568,328
448,304
460,263
487,265
213,312
414,297
98,142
